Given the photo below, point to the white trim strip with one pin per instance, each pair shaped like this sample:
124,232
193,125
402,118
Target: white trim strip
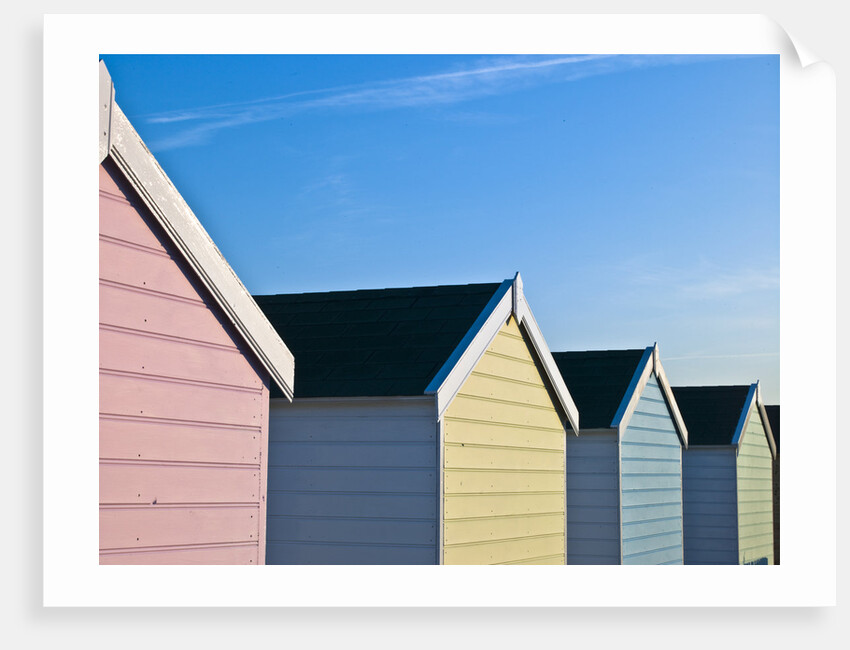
711,448
141,169
448,380
508,299
745,416
633,392
620,489
766,423
664,384
441,487
355,400
107,99
526,318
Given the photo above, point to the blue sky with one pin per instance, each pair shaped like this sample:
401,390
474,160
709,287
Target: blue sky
637,195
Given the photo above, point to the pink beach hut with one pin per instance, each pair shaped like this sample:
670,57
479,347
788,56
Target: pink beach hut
187,360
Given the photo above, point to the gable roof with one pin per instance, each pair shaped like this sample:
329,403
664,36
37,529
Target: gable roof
607,385
718,415
598,381
119,142
712,412
373,342
409,341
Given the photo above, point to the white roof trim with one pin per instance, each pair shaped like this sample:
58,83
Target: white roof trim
608,431
509,299
745,416
544,355
728,448
765,421
450,377
107,101
649,363
358,399
632,395
664,384
119,141
771,441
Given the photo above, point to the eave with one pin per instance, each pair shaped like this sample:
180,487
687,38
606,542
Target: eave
650,363
119,142
754,400
508,300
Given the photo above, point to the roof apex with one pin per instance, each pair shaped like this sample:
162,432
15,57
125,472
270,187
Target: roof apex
119,141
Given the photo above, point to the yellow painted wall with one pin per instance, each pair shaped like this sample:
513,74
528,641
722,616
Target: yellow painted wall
503,462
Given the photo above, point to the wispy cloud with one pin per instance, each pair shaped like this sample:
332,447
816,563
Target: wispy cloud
336,182
489,77
688,357
732,284
703,280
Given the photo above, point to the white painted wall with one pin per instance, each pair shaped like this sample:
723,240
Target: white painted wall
710,505
593,526
353,481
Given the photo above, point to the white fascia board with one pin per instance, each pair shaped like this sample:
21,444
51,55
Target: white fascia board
526,319
361,399
448,380
441,487
367,400
599,431
143,172
745,416
508,299
730,448
107,100
664,384
633,392
765,423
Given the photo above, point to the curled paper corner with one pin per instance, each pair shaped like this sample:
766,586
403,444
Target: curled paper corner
795,47
804,54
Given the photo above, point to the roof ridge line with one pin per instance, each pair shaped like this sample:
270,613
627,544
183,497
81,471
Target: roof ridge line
351,291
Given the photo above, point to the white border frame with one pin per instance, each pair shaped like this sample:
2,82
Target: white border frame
808,178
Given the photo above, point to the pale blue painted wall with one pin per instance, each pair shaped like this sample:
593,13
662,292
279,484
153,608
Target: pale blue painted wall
710,505
352,482
593,525
651,483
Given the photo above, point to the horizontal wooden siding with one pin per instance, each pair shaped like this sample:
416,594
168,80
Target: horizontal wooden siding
183,405
593,503
353,482
755,495
710,506
651,483
503,462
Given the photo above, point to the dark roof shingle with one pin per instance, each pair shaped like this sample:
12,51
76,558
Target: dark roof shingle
373,342
597,381
711,413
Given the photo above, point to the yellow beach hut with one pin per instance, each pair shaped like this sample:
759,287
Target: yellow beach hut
428,427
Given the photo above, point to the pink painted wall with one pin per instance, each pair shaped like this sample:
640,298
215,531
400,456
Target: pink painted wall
184,406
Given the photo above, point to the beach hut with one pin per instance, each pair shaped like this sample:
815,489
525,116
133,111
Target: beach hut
728,484
428,427
624,470
773,419
187,360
